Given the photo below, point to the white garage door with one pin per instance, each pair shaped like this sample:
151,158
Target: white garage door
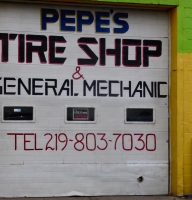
84,95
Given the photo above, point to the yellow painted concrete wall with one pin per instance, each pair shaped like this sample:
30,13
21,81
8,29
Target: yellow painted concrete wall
181,99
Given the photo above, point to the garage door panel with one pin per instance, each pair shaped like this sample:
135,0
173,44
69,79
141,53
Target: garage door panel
80,84
128,146
99,180
135,16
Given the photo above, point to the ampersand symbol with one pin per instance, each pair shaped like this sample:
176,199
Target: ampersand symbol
77,74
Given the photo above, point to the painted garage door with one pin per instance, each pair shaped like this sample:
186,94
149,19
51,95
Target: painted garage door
84,100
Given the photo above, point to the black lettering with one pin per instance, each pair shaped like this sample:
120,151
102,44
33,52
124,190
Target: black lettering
121,88
151,53
145,87
40,50
5,47
92,86
65,86
53,87
36,86
101,88
53,49
110,89
159,89
155,88
128,88
6,85
126,61
21,48
12,36
92,60
71,87
20,83
102,46
139,85
116,52
1,89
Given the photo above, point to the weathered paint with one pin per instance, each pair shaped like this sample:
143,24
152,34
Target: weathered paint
181,109
105,156
128,2
185,27
180,96
176,177
187,128
149,2
180,100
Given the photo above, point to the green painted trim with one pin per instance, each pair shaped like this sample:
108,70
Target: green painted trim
151,2
185,27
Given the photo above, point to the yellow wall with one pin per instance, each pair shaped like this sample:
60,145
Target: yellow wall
181,125
181,99
187,121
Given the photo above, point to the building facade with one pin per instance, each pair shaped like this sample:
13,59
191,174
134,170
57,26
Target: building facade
95,97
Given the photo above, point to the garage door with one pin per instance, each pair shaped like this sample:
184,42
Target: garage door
84,100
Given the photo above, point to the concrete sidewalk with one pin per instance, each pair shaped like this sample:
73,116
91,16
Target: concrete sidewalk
105,198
